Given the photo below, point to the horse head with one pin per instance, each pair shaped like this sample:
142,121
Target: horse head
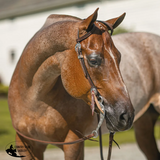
102,60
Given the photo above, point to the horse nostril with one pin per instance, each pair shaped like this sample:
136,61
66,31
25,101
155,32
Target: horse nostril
124,118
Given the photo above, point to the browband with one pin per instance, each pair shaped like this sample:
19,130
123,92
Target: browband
108,25
79,39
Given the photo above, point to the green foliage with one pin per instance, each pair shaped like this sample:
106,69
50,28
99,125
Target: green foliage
3,90
7,133
120,30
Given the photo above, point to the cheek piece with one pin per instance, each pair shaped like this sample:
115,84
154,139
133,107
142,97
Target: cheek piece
96,99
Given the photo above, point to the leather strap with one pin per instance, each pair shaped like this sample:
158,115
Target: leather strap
56,143
79,39
94,91
100,140
107,25
81,59
97,103
111,135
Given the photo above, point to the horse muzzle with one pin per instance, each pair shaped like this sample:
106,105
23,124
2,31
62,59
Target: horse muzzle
119,118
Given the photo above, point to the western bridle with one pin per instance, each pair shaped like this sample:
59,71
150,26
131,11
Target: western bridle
96,98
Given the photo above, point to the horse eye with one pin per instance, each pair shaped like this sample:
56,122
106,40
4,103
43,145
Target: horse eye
93,61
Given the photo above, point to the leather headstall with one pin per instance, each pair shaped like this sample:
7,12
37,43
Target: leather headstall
96,98
94,92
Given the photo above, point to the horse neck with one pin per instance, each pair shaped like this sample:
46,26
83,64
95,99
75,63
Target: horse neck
56,92
58,37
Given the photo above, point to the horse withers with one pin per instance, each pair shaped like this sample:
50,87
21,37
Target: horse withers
49,95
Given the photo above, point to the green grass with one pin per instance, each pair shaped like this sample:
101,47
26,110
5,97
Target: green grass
7,133
120,138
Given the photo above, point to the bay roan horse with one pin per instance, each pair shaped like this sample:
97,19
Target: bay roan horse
49,97
140,68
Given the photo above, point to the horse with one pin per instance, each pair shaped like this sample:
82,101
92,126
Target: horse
139,67
49,96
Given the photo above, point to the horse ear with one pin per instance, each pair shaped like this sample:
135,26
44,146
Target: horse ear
88,22
116,21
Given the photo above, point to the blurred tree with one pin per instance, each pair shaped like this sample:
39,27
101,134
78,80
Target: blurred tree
120,30
3,90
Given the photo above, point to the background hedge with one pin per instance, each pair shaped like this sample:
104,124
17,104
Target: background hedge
3,90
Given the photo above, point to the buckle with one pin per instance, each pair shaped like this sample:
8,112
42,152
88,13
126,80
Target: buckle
94,89
78,47
95,132
80,56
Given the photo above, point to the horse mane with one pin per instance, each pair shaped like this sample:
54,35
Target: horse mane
53,18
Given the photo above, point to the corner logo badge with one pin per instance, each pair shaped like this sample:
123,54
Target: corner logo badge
13,150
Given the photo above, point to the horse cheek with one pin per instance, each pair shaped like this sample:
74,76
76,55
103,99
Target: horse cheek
74,81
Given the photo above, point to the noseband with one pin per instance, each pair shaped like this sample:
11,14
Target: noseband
95,95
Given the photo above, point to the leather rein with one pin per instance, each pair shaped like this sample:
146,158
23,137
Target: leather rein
96,98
